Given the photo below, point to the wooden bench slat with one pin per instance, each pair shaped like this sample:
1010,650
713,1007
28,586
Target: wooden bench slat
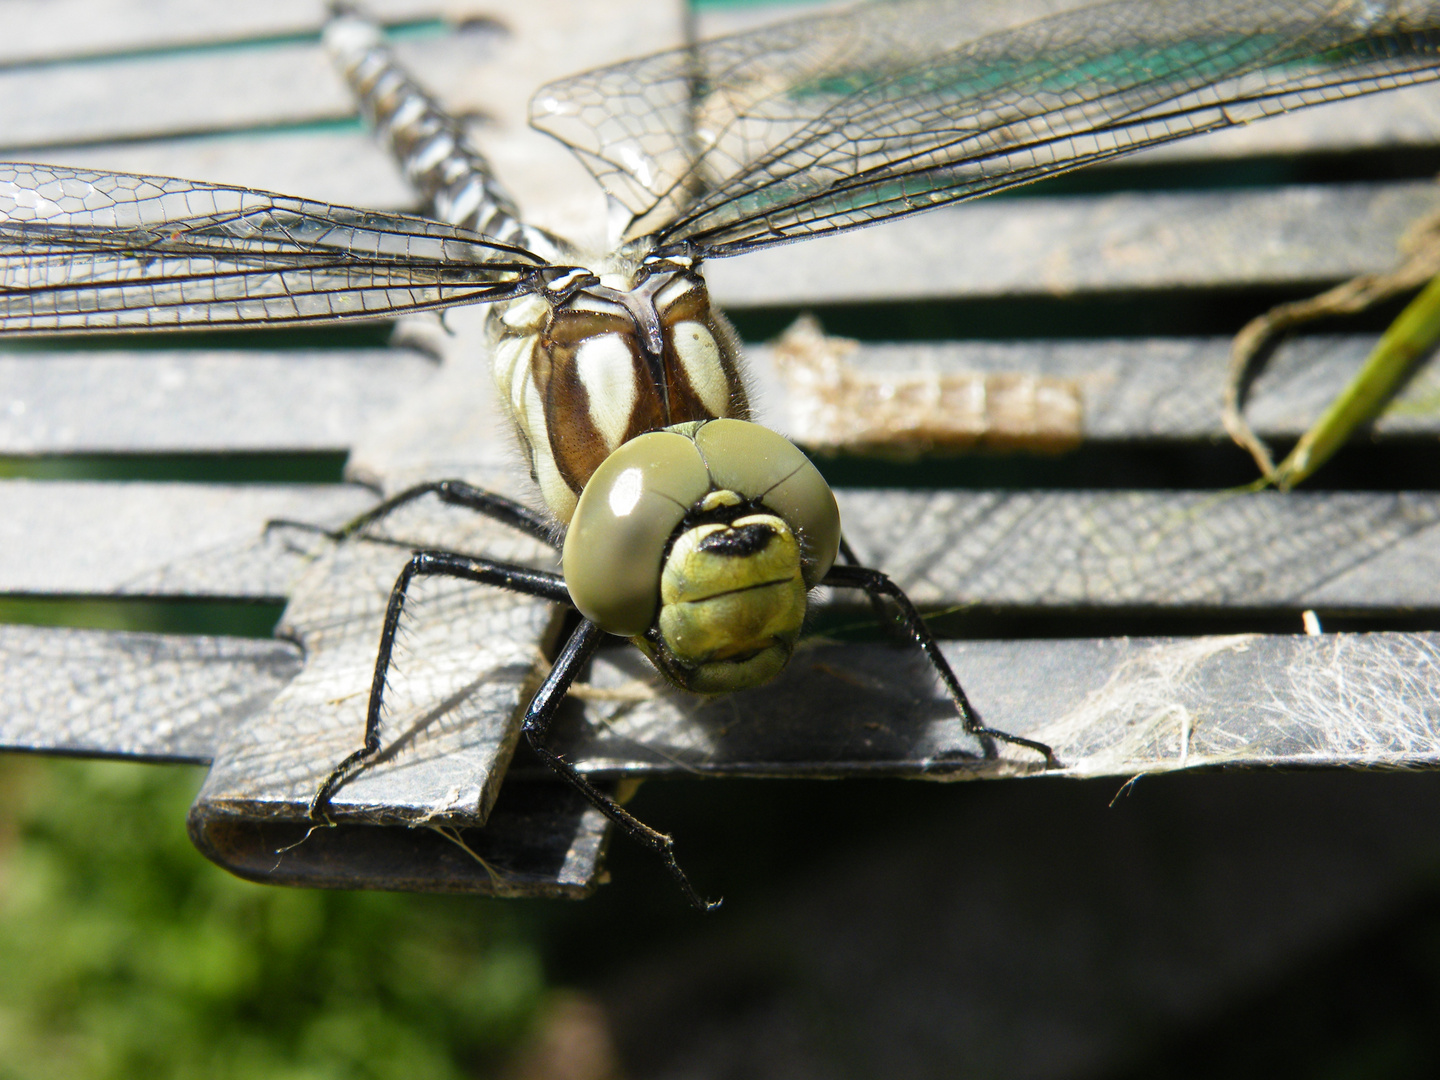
1367,551
1063,246
1054,549
462,670
1112,707
187,401
145,539
44,31
1109,707
542,840
281,84
133,695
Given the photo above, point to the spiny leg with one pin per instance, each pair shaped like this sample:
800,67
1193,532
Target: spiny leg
883,618
452,492
538,718
458,493
877,584
520,579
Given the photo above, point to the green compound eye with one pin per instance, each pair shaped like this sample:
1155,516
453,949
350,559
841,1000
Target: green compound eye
625,517
638,497
757,462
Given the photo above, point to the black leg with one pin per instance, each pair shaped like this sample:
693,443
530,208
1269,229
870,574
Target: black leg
538,717
883,618
455,493
877,584
520,579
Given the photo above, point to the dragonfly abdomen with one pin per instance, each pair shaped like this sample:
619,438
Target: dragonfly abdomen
432,147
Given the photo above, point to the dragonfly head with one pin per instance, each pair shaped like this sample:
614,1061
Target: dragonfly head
701,543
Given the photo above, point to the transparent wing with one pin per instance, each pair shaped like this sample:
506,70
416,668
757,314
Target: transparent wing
835,122
107,251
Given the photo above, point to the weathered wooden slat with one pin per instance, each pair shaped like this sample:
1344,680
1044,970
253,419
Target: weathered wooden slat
1108,707
227,401
44,31
465,665
142,539
1369,551
282,84
1115,706
1063,246
187,401
1076,245
133,695
75,103
1364,551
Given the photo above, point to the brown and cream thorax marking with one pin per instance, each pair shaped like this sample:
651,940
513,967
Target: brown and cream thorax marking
639,351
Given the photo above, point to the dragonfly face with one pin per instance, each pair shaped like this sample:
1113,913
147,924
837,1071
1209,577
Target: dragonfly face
700,543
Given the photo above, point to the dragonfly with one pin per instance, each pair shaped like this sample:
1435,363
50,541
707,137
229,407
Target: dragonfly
680,525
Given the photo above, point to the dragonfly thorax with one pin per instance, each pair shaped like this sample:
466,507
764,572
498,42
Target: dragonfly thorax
701,543
582,374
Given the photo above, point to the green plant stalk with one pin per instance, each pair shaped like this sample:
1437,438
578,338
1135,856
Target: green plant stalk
1411,336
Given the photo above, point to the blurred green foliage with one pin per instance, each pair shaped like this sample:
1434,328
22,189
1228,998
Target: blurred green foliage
124,954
